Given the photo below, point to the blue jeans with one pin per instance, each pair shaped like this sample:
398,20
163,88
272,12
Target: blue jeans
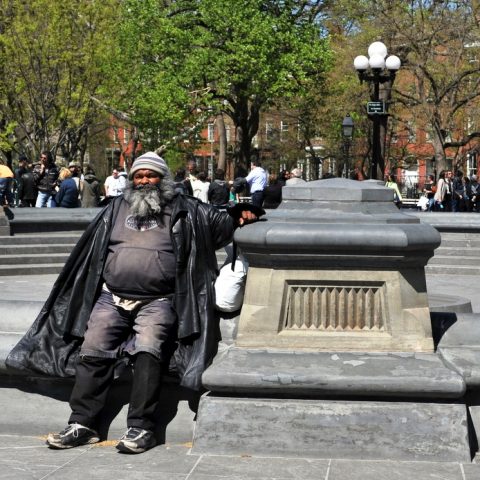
45,199
153,326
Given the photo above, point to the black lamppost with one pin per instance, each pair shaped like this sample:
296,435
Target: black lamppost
347,134
380,71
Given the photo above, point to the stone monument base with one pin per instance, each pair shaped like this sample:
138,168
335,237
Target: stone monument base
360,430
352,405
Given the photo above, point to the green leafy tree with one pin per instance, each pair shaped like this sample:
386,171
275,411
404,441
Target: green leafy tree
184,61
51,57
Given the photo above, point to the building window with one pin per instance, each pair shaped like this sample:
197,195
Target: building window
471,164
211,132
283,129
126,136
228,133
268,131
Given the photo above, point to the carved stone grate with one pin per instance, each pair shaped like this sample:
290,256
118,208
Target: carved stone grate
335,308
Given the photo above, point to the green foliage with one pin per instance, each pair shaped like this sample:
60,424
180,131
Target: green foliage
185,57
50,64
6,133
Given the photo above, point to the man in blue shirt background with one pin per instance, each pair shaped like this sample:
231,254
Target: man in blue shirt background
257,181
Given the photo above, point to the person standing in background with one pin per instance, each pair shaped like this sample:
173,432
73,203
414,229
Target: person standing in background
6,179
27,190
295,177
115,184
200,187
391,183
257,181
19,171
46,175
91,191
67,196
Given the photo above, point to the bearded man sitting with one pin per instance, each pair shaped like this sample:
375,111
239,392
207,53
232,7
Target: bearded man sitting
139,283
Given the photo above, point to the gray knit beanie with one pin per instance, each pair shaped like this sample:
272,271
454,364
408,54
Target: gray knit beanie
150,161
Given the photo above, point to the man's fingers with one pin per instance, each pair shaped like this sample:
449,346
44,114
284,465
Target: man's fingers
247,217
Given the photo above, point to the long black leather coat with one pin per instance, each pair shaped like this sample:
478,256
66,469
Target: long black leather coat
52,343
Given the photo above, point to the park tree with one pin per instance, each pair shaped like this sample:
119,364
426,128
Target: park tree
437,88
439,82
51,64
440,42
185,61
350,28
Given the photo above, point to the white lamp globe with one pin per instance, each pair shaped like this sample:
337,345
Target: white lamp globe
393,62
377,48
360,62
377,61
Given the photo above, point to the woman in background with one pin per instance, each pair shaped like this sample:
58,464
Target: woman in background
67,196
391,183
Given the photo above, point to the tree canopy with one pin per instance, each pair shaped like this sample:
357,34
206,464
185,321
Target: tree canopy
184,60
51,61
438,86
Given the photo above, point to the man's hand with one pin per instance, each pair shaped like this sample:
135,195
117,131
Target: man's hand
246,218
245,213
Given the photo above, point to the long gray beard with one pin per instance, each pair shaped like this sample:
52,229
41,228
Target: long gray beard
148,200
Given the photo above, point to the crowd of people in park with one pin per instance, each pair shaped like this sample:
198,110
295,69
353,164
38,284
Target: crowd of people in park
44,184
451,192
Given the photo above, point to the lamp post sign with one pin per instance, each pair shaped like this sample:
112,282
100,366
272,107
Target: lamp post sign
376,108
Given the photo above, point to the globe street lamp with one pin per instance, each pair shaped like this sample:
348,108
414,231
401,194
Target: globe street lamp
380,71
347,134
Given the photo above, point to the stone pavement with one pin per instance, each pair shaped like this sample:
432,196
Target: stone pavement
32,408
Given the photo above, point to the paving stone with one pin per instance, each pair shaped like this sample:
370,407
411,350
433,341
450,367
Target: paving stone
103,462
237,476
256,468
23,457
385,470
472,472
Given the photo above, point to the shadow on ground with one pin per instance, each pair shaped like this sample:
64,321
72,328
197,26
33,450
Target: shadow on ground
60,388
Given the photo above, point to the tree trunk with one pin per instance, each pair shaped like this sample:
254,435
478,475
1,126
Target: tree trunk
222,143
439,151
246,119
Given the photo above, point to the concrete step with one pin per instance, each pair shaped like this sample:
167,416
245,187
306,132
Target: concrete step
458,251
458,261
460,234
40,258
40,238
33,249
460,243
31,269
452,270
49,263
